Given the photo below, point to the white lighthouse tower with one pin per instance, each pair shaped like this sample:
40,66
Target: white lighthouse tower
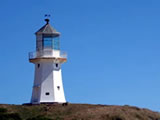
48,86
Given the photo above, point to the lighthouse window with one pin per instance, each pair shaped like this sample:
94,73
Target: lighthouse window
56,43
47,42
38,65
47,93
56,65
58,87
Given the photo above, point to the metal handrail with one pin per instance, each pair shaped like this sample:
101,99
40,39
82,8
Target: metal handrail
46,54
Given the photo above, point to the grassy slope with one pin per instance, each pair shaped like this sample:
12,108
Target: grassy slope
78,112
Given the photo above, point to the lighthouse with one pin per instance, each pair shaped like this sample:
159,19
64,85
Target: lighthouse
47,59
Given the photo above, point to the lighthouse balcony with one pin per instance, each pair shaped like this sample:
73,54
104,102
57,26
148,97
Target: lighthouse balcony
48,55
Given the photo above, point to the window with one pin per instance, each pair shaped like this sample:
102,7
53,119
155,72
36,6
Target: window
56,43
47,93
56,64
47,42
58,87
51,42
38,65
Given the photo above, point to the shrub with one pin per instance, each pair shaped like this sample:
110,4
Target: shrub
12,116
3,110
39,118
112,117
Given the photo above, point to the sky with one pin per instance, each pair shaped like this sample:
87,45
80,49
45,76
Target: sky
113,49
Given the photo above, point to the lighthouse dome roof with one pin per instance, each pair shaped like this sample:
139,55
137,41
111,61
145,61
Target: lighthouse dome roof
47,29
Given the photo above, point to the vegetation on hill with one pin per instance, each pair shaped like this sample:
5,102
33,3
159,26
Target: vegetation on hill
75,112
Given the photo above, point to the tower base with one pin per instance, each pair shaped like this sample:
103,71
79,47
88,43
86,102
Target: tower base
45,103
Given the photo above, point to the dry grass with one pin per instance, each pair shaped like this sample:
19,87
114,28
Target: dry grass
78,112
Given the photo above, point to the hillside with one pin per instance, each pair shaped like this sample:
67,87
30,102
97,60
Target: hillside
75,112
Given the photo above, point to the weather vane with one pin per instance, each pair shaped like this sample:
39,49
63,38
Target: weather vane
47,16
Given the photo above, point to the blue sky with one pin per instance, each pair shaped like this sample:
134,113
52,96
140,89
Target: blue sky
113,49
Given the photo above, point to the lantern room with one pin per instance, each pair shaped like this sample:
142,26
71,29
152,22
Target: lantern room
47,38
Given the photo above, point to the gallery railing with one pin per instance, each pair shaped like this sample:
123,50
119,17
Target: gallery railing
47,54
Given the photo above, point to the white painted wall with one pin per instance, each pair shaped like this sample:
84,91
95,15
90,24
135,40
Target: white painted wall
47,79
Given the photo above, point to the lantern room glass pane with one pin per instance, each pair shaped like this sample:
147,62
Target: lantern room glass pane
51,42
48,42
56,44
